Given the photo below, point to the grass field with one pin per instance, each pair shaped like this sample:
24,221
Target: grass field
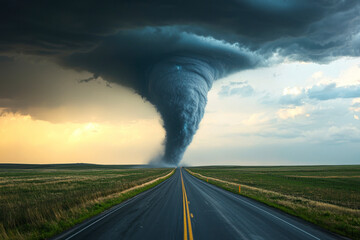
328,196
38,201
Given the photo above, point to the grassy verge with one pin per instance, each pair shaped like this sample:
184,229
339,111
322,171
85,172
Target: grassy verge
326,196
40,203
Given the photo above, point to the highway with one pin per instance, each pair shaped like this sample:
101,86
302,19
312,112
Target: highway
184,207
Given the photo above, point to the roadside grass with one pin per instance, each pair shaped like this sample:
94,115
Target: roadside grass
41,202
328,196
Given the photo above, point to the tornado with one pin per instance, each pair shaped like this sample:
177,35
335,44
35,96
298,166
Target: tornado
172,69
178,89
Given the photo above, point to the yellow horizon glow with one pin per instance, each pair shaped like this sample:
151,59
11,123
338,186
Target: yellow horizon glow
26,140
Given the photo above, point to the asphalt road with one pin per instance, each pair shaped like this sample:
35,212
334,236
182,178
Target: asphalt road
184,207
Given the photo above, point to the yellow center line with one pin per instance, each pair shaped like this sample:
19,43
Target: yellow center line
186,212
188,216
185,228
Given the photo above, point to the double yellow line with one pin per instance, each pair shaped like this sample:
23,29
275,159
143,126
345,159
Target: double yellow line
186,212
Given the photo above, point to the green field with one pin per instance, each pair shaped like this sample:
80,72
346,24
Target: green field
38,201
328,196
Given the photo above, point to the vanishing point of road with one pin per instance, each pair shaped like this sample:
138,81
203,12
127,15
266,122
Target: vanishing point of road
184,207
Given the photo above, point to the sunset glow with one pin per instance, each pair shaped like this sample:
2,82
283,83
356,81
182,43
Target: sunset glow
25,140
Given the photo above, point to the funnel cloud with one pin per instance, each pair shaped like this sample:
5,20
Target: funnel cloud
178,88
172,70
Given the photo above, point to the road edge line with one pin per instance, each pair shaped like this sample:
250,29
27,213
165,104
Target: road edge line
78,228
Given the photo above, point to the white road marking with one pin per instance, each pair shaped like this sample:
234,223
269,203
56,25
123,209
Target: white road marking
111,212
265,212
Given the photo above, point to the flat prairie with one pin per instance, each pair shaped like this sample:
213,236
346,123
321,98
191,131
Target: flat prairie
38,201
328,196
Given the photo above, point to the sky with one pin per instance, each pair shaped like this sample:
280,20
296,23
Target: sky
278,84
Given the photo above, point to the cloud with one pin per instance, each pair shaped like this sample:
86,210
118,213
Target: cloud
344,86
127,57
335,134
320,92
48,92
331,91
293,96
355,108
286,113
301,29
281,133
236,89
291,99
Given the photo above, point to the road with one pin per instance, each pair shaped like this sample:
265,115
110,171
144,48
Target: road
184,207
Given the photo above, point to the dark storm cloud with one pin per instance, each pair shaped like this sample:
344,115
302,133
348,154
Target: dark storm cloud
170,52
59,27
128,57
